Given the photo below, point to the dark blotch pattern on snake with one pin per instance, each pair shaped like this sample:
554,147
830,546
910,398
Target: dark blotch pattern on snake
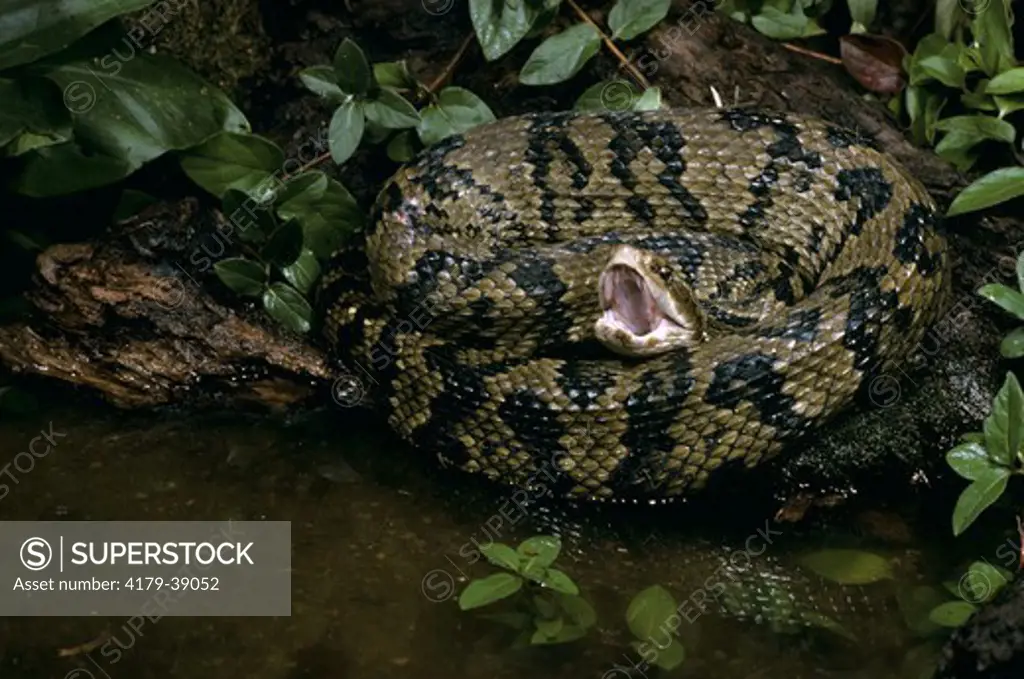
616,305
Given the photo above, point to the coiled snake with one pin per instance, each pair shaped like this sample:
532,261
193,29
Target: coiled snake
617,305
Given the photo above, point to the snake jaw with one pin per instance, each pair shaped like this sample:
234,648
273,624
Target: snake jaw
643,313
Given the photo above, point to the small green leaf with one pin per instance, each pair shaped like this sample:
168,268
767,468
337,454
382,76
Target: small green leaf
502,555
952,613
566,634
402,147
499,26
556,580
608,95
1012,345
578,609
1007,82
242,275
549,628
979,127
996,187
1004,427
287,306
232,161
251,220
630,18
863,11
969,460
285,244
346,130
328,214
1006,297
488,590
650,100
391,110
777,24
650,610
303,272
561,56
990,28
351,69
670,657
848,566
457,110
946,71
320,81
394,74
542,550
983,582
1008,104
978,497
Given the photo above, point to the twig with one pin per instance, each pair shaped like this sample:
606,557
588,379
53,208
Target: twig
637,75
439,80
811,53
87,647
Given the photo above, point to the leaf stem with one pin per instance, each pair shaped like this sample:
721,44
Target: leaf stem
637,75
812,53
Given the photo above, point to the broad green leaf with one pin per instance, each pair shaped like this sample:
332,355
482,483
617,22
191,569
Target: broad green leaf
650,100
996,187
64,168
978,497
960,149
328,214
1004,427
630,18
952,613
947,15
541,550
32,106
561,56
983,581
969,460
457,110
979,127
1006,297
351,69
670,657
548,628
251,220
139,109
500,25
649,610
285,244
1007,82
609,95
545,606
566,633
242,275
488,590
320,81
1007,104
402,147
1012,345
502,555
346,130
863,11
577,609
394,74
132,203
296,185
556,580
991,29
32,29
303,272
848,566
232,161
391,110
946,71
782,26
288,307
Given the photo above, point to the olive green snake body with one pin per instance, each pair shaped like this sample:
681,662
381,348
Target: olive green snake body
618,305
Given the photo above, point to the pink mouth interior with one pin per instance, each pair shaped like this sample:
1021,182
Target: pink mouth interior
624,292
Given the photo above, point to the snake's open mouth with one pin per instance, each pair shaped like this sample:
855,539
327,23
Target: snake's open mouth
641,316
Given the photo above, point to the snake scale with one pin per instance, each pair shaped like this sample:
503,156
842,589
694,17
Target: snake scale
614,306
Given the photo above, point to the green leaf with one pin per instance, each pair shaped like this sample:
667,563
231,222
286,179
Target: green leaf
32,29
1008,104
488,590
630,18
285,244
1006,297
979,127
915,604
782,26
542,550
139,109
983,582
555,579
328,214
565,634
232,161
65,168
650,100
502,555
1007,82
346,130
969,460
952,613
1012,345
320,81
457,110
670,657
351,69
996,187
394,74
978,497
32,106
608,95
548,628
391,110
500,25
1004,427
649,610
991,29
132,203
947,16
863,11
946,71
242,275
848,566
402,147
578,609
252,221
303,272
287,306
561,56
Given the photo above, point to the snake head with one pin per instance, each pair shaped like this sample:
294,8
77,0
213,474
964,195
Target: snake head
646,310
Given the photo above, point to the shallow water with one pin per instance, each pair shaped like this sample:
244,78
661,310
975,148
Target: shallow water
383,543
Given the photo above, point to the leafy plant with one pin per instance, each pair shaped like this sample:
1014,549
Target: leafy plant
978,585
548,608
1012,301
651,611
